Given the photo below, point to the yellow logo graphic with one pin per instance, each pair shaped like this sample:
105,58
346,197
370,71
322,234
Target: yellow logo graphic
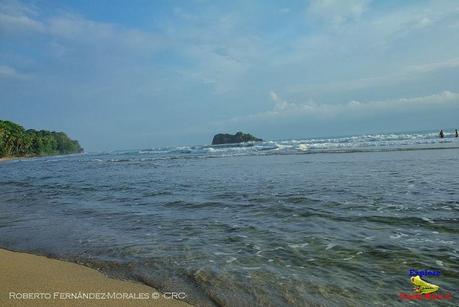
422,286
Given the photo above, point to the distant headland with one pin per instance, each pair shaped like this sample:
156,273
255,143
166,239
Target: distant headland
239,137
15,141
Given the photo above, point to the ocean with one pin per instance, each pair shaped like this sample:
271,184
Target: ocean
307,222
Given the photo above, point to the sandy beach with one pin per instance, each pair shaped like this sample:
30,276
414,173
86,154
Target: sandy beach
29,280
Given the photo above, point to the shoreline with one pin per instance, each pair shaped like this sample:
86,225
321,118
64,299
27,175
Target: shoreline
31,280
19,158
2,159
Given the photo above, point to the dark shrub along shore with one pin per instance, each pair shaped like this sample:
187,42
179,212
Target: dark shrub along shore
239,137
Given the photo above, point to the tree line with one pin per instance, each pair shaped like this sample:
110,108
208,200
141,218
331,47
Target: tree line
15,141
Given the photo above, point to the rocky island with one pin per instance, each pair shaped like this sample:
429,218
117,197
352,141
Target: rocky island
239,137
15,141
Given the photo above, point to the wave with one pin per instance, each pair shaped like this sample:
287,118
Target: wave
349,144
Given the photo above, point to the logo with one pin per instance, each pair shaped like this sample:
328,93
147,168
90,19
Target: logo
421,273
423,289
422,286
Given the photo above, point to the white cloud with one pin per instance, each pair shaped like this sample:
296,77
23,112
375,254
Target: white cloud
280,104
102,36
16,18
284,10
285,109
429,67
78,29
10,23
7,72
337,11
403,74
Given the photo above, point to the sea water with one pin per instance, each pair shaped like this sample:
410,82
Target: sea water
331,221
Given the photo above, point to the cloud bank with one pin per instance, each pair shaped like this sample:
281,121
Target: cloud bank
311,109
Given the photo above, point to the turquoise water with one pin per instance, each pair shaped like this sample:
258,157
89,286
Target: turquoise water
296,222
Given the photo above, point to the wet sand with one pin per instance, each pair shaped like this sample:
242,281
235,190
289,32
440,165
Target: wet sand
59,283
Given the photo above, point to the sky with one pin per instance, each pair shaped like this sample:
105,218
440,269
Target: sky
140,74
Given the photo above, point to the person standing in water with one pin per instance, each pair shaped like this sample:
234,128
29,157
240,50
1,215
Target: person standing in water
442,134
457,134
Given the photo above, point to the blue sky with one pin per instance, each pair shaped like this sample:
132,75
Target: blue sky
140,74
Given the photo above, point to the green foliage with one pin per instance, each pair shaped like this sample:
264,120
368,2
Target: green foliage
15,141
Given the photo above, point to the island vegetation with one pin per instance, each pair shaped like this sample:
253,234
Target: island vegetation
239,137
15,141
